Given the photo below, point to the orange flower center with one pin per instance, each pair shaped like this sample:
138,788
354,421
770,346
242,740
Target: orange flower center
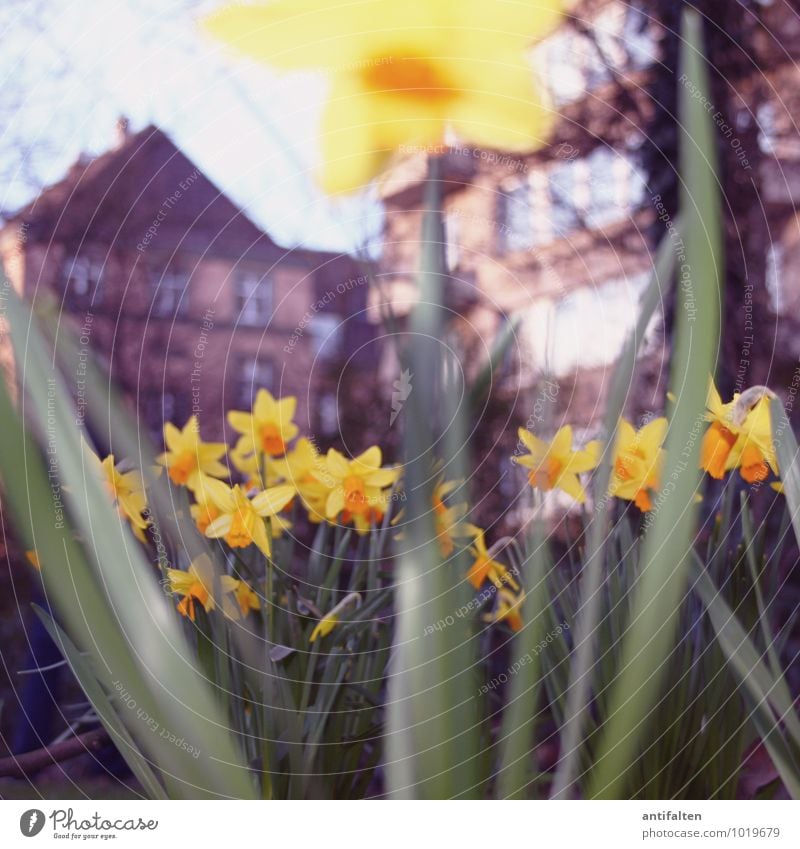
410,76
271,440
196,591
479,571
181,468
625,463
754,467
716,447
514,620
546,474
355,499
239,535
643,500
206,517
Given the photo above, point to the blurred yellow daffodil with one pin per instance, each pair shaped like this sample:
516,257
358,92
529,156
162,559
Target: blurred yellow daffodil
485,566
554,465
204,510
196,585
331,619
638,457
403,74
450,524
739,435
127,493
268,428
297,468
507,609
240,522
245,596
187,457
356,487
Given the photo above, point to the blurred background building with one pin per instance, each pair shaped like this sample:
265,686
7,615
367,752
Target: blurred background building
187,304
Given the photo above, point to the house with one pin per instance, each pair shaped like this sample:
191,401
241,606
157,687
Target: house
187,302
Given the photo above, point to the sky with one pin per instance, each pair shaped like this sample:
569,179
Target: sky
70,68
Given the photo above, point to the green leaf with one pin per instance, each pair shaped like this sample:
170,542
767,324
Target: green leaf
582,668
106,592
768,694
101,703
650,636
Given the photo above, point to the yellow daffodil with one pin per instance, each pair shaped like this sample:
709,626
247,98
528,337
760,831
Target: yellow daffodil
739,435
249,465
356,487
268,428
508,609
485,566
402,74
245,596
638,458
298,468
127,493
554,465
196,585
331,619
450,524
240,522
187,457
204,510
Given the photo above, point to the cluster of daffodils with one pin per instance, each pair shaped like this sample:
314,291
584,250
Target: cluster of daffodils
244,495
738,436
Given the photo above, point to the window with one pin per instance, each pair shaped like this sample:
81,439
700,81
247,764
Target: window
253,298
517,219
171,298
82,278
563,185
585,329
593,191
326,333
171,406
254,374
570,62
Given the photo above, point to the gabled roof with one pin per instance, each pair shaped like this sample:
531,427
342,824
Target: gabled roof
145,182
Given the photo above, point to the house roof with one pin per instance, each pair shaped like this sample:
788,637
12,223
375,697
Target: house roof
146,193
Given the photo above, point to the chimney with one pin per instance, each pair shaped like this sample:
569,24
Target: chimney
123,130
